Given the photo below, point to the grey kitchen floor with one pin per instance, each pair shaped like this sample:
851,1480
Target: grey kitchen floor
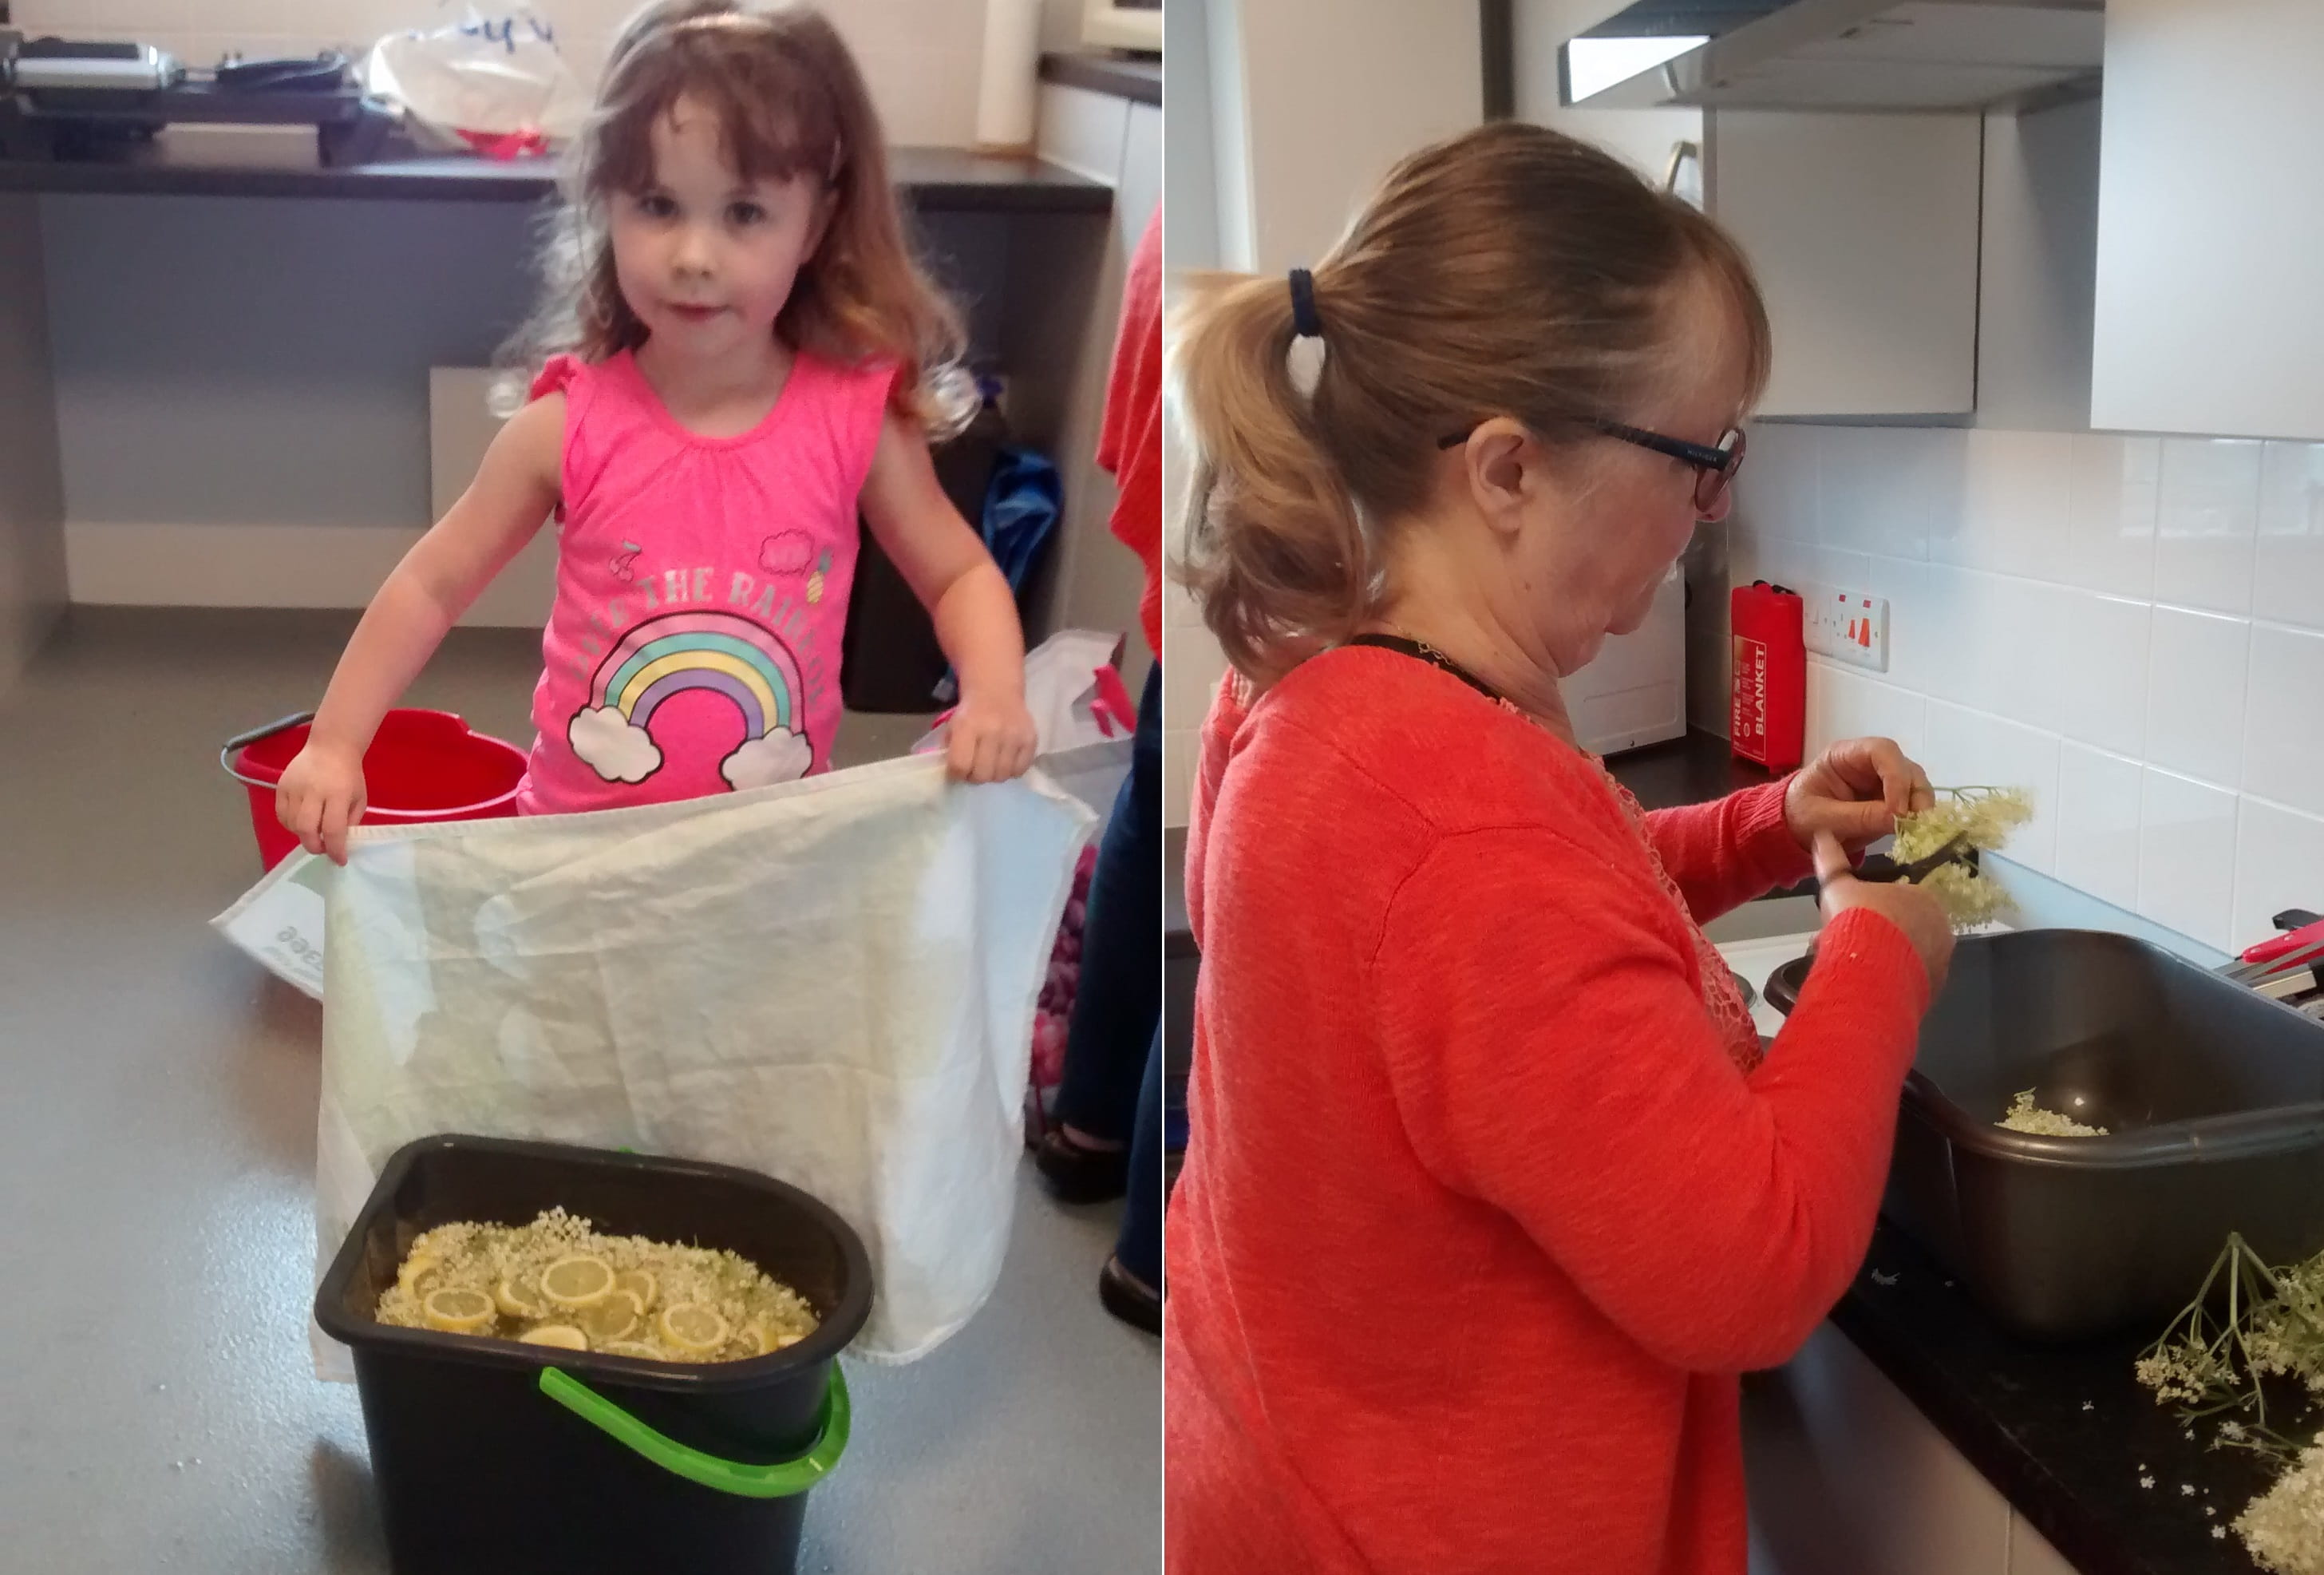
158,1407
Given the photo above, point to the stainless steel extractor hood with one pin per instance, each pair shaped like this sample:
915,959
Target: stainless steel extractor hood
1861,54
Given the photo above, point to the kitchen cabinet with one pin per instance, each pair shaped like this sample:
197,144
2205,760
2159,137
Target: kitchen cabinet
2207,317
1863,230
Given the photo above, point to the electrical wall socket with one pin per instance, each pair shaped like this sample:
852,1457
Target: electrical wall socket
1849,627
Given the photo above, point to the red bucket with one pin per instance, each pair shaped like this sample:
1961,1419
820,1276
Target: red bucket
422,767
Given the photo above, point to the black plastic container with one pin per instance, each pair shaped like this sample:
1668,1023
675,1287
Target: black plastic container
502,1458
2212,1097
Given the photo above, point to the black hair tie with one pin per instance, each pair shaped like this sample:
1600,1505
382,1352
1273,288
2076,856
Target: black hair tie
1305,323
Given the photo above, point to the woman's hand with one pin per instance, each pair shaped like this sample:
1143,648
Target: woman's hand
991,740
1855,790
1907,907
320,798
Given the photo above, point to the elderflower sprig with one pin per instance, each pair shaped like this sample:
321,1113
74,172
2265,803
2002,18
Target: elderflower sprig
2273,1328
1981,817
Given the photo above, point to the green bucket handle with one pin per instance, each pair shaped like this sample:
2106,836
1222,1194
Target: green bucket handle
781,1480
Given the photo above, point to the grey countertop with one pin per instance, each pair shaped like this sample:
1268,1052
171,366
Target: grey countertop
931,180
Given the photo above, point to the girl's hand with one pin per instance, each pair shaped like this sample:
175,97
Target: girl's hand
991,740
1855,790
321,799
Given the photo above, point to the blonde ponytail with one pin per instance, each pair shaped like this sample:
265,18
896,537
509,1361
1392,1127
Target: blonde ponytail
1274,549
1511,271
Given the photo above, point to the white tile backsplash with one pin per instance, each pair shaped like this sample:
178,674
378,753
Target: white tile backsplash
1846,704
2015,519
2196,666
1971,748
2099,799
2207,522
2288,577
1776,490
2110,535
2284,719
1886,485
1917,648
2187,855
2090,638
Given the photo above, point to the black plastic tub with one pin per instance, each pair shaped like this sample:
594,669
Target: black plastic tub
502,1458
2212,1097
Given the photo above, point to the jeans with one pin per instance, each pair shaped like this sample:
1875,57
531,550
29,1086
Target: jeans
1112,1083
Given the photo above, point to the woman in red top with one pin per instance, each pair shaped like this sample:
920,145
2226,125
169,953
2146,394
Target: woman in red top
1491,1196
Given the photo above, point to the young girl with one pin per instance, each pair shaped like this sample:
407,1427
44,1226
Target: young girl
749,356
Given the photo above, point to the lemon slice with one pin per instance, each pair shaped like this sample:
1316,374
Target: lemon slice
760,1333
639,1283
576,1282
457,1311
632,1348
616,1317
414,1267
563,1336
518,1299
693,1327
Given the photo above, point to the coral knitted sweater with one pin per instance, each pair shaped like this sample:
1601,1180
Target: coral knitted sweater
1481,1217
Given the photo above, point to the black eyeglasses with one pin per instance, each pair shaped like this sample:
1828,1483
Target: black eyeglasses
1715,468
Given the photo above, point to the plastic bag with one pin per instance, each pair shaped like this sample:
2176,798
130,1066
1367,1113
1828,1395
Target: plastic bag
831,982
1087,725
493,82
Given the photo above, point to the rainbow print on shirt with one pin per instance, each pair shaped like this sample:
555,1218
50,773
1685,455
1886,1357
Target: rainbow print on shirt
679,652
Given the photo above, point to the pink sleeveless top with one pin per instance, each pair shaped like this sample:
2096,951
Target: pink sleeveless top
701,588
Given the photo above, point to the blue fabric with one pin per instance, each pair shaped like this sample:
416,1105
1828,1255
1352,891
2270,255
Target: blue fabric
1022,504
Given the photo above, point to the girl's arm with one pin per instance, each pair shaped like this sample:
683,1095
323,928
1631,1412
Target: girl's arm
945,562
321,797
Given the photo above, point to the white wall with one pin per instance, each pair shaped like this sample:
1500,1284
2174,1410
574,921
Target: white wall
1190,177
1309,102
1335,91
2131,627
919,56
1096,581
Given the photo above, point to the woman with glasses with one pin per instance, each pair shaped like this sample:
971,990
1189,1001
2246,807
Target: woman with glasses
1491,1194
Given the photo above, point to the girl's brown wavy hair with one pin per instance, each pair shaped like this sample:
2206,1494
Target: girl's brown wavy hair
789,101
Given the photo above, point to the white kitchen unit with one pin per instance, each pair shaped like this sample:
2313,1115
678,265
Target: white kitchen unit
1863,230
2207,316
1633,693
1847,1477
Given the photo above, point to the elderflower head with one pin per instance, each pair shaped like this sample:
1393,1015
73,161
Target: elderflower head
1982,817
2283,1528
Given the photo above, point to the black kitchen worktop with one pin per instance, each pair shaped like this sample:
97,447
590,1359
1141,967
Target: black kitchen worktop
1689,770
2065,1434
931,180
